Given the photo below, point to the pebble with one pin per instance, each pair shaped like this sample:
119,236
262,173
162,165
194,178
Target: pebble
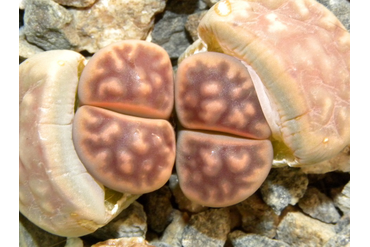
169,32
51,26
299,230
342,199
48,25
283,186
241,239
172,235
158,208
208,228
319,206
342,237
257,216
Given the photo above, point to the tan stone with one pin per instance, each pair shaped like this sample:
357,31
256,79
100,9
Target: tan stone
109,21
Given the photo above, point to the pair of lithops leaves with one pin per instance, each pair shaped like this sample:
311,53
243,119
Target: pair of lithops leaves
81,163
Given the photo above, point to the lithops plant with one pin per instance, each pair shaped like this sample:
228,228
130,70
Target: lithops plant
126,153
224,154
72,177
298,54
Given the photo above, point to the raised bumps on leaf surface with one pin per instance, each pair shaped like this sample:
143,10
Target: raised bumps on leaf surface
214,92
129,154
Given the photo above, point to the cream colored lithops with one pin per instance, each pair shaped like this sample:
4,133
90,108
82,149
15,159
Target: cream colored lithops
55,190
298,56
225,154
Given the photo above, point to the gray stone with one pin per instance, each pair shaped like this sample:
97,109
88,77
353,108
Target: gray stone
31,235
342,199
299,230
283,186
340,8
131,222
241,239
169,32
158,208
172,235
257,216
342,237
48,25
26,49
51,26
208,228
319,206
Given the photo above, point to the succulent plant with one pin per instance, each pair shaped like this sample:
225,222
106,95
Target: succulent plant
94,138
225,153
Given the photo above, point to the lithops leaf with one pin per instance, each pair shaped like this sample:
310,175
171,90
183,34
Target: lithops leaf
125,153
217,170
217,162
132,77
123,90
214,91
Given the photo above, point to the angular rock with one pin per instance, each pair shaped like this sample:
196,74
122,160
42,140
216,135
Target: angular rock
283,186
318,206
110,21
172,235
299,230
49,26
257,216
169,32
131,222
208,228
158,208
241,239
76,3
342,237
26,49
342,199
